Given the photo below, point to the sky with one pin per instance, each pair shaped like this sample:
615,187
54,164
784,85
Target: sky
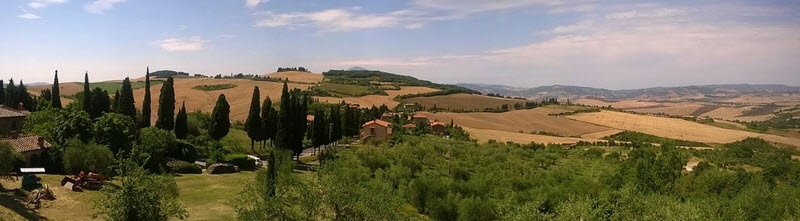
523,43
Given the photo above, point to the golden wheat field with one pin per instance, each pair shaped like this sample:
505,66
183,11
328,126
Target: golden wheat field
297,76
378,100
625,104
238,97
527,121
674,128
484,135
463,101
682,109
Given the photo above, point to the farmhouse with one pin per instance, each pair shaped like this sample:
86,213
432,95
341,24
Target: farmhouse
387,116
409,126
11,120
376,130
419,118
437,127
30,147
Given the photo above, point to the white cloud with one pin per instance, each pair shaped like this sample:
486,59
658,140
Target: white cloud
650,13
44,3
473,6
254,3
101,6
331,20
29,15
182,44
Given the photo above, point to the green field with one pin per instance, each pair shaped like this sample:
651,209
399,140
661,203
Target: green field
112,86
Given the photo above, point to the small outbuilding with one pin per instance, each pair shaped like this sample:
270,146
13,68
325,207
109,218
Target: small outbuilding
30,147
437,127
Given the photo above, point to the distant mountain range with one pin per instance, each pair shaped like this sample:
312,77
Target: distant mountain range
685,92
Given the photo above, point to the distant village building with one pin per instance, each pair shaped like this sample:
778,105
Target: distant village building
376,130
409,126
387,116
437,127
30,147
419,118
309,119
11,120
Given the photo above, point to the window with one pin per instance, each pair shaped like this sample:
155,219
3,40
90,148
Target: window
372,131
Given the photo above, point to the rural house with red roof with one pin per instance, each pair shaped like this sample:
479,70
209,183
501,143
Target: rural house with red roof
376,130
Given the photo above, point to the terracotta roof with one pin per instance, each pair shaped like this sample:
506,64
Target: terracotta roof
437,123
9,112
420,116
26,143
409,126
310,117
379,122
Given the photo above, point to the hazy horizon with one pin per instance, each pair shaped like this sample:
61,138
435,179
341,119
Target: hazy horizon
522,43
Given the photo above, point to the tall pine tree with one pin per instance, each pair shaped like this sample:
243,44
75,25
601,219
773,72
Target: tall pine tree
220,119
87,94
56,101
146,102
181,123
166,106
126,104
253,123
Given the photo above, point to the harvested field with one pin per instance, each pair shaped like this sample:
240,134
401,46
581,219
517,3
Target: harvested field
735,113
297,76
625,104
484,135
537,119
378,100
601,134
679,110
463,101
238,97
705,109
783,99
674,128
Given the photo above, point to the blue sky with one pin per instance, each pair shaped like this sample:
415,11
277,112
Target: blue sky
610,44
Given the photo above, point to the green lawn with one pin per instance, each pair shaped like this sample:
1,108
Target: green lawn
205,197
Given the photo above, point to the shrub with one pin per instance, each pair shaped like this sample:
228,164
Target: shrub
186,167
9,159
87,157
593,153
188,152
214,87
241,160
154,144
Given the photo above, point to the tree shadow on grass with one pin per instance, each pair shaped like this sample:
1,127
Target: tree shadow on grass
8,200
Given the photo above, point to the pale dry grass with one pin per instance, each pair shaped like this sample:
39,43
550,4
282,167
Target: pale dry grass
674,128
780,99
463,101
527,121
484,135
297,76
601,134
238,98
378,100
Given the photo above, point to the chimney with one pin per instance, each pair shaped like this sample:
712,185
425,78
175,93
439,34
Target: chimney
41,142
20,106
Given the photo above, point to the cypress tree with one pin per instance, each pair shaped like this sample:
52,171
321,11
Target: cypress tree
11,94
283,133
318,128
56,101
301,120
115,105
336,123
126,102
181,123
166,106
253,123
100,103
2,93
24,97
268,121
87,94
146,102
220,119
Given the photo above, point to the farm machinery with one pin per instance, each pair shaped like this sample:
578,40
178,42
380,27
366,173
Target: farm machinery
90,181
